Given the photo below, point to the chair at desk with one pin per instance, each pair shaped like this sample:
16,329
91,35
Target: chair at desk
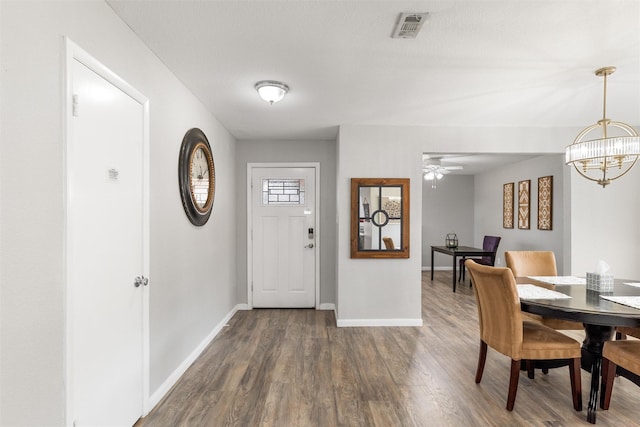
489,243
503,329
538,263
621,358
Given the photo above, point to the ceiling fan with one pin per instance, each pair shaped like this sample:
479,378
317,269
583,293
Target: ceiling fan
433,171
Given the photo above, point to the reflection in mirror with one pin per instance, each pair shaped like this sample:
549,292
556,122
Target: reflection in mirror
380,209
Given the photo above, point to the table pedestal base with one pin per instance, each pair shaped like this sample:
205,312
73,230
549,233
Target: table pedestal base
595,336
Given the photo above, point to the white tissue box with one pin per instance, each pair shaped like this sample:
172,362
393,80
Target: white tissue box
599,282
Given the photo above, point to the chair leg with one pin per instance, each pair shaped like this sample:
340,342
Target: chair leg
462,270
530,369
481,359
576,383
513,384
608,375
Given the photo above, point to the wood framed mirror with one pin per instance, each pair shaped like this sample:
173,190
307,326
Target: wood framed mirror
379,217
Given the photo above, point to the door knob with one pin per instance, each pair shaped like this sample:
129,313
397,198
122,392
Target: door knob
310,245
140,280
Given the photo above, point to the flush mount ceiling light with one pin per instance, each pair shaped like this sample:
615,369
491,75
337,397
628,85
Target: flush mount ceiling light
613,154
271,91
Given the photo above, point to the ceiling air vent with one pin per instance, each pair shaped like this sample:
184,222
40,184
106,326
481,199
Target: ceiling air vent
409,25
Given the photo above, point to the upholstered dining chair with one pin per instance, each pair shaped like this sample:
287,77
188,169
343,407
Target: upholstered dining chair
503,329
621,358
623,331
388,243
538,263
489,243
531,263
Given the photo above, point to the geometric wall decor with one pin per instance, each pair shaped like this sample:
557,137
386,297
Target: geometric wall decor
545,203
523,204
507,205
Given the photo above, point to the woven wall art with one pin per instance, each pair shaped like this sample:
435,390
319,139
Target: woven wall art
524,211
545,203
507,205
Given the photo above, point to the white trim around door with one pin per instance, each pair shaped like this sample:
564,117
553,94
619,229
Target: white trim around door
250,167
75,54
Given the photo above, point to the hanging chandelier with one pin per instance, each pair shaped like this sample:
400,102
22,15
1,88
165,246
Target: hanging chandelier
610,156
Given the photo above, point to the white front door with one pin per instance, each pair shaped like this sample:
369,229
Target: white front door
284,237
105,250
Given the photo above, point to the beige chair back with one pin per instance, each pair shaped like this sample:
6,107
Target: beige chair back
498,308
531,263
388,243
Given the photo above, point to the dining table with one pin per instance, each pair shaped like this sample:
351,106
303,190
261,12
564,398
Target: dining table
598,314
458,251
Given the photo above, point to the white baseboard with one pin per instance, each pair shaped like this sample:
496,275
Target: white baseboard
323,306
164,388
345,323
437,268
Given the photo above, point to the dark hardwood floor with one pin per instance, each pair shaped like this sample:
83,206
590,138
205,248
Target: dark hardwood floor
296,368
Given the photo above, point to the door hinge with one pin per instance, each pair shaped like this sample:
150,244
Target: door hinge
74,105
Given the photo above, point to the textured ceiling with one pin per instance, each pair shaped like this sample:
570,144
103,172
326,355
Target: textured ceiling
475,63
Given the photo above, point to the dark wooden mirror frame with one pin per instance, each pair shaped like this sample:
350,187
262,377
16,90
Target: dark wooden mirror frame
403,250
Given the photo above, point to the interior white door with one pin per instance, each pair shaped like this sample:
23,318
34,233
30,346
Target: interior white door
105,248
283,237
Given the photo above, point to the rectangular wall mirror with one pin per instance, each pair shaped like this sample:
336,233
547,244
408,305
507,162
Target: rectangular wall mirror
379,217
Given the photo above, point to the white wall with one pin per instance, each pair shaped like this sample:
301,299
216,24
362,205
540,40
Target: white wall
192,271
488,207
323,152
605,225
377,291
448,208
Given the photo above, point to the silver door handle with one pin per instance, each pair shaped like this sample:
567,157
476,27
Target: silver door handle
140,280
310,245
